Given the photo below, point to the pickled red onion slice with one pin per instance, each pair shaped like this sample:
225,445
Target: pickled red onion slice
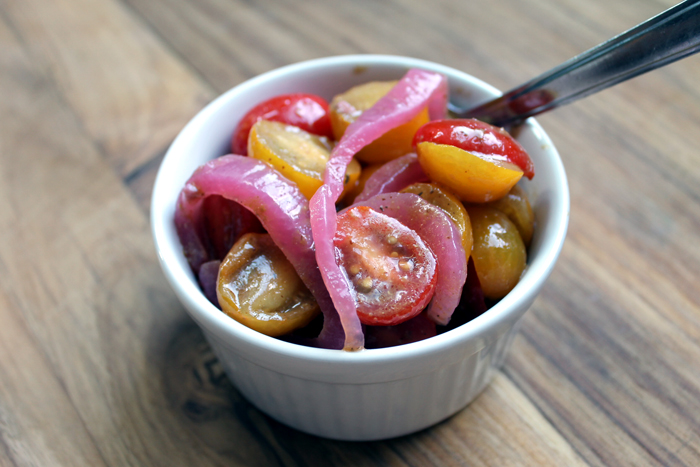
440,233
393,176
280,207
472,303
416,90
414,330
207,276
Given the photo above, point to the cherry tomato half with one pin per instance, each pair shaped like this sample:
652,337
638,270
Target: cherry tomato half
478,138
297,154
393,271
306,111
258,287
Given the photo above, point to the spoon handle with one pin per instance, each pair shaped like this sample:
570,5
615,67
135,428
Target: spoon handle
663,39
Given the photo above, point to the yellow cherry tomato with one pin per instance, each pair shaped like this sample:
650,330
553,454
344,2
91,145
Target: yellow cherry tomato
472,178
297,154
258,287
516,206
499,253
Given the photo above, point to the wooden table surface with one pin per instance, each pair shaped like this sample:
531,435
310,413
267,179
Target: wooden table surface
101,366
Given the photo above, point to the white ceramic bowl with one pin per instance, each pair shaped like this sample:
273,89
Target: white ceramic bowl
372,394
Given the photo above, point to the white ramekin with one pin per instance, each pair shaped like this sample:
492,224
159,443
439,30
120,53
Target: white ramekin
372,394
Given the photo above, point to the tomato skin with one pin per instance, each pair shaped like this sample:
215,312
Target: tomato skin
392,270
478,138
306,111
499,253
516,206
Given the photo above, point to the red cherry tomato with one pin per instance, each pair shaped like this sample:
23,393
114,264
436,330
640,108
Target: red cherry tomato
393,271
478,138
307,111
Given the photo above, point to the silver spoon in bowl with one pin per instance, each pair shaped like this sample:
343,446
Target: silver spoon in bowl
662,39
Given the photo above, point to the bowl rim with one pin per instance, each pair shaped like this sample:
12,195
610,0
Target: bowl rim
507,310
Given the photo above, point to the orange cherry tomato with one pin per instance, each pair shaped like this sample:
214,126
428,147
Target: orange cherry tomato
347,107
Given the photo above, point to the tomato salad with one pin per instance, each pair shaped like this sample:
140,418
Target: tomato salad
368,222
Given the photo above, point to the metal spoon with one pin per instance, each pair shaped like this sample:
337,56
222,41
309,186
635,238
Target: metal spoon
663,39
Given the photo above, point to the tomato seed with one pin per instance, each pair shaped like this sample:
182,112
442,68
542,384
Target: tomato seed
365,283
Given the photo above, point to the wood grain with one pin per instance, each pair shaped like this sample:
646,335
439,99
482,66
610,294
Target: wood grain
129,94
99,363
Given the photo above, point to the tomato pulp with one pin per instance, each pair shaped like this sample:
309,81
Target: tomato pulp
392,270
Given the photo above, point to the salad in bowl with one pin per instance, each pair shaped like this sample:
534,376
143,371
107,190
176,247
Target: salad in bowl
358,260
